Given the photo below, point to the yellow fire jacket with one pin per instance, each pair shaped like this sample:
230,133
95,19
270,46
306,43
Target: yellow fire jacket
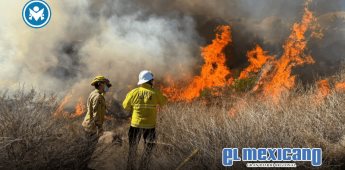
96,109
143,101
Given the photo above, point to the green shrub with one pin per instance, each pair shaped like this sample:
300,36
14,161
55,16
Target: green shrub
243,85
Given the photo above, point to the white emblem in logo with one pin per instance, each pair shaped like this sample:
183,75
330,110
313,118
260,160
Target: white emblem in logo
36,13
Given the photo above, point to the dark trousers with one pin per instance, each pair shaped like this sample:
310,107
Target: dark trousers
134,135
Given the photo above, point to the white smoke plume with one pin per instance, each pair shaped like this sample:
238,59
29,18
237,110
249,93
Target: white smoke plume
78,44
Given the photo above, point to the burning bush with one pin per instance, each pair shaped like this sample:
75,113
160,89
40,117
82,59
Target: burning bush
244,84
274,74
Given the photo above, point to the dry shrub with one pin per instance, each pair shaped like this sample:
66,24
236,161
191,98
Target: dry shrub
31,138
297,120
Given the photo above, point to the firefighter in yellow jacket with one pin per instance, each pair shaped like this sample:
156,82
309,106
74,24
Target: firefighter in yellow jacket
96,106
143,102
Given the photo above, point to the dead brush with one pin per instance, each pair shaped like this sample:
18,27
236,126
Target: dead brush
295,121
31,138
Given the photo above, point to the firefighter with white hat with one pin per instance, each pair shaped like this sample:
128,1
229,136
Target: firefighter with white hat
143,102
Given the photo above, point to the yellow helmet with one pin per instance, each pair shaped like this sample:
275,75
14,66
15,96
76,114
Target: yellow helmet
100,79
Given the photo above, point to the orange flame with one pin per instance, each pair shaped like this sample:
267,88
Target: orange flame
79,108
60,110
324,90
280,79
214,72
257,58
275,74
340,87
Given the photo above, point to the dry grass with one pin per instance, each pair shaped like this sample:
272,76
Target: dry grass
297,120
30,137
291,123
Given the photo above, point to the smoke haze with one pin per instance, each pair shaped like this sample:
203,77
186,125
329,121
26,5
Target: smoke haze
119,38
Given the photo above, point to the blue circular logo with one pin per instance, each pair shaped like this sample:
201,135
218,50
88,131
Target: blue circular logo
36,13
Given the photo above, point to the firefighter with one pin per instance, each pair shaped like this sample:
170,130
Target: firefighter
143,102
96,107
